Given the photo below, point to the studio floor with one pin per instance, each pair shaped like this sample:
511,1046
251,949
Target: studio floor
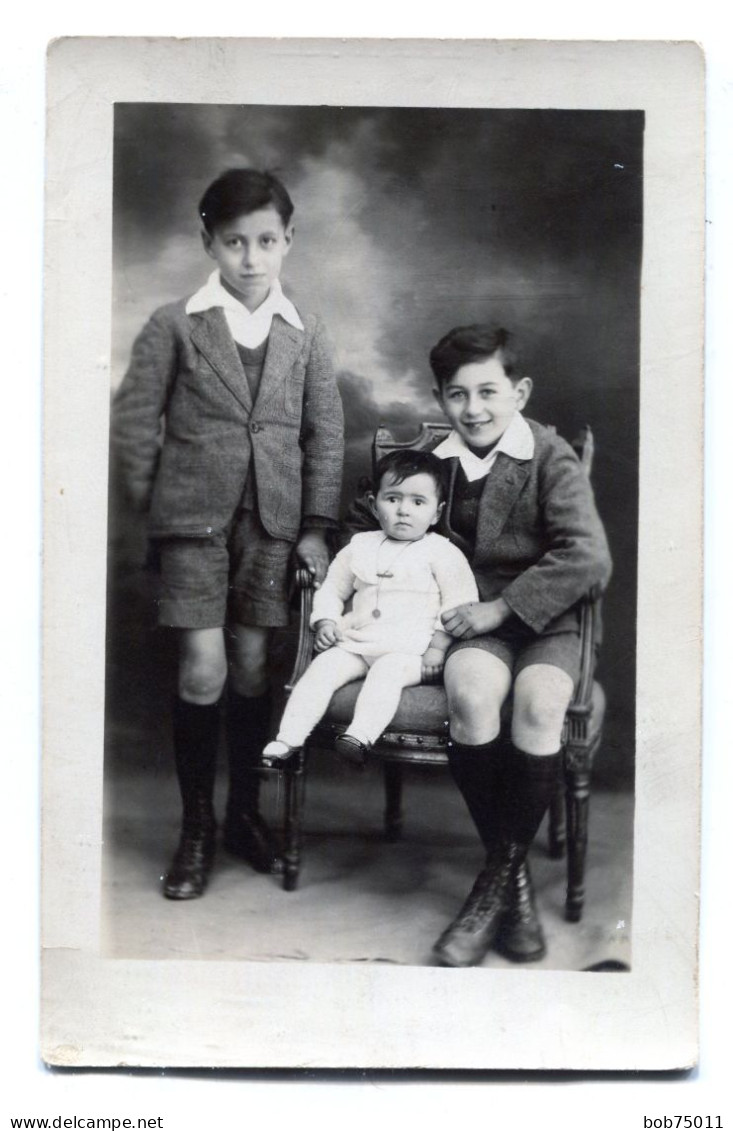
360,898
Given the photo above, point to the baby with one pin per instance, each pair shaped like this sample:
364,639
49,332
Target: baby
402,578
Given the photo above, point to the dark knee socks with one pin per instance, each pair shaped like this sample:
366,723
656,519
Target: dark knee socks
248,726
506,790
530,781
195,744
477,771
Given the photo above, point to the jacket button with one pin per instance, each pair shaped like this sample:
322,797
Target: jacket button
209,529
254,426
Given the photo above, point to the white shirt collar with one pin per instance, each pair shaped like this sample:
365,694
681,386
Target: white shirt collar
517,442
249,329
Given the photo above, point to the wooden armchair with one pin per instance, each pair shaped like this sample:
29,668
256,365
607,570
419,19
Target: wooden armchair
419,731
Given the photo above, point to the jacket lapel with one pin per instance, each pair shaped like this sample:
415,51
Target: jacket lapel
501,490
283,349
502,487
211,336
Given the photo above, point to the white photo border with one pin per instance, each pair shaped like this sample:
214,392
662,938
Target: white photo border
103,1012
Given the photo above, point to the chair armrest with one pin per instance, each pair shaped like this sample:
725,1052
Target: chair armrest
590,609
306,636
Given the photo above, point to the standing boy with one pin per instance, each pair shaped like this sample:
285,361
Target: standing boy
228,426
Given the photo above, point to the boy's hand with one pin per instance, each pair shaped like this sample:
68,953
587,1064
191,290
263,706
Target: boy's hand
327,634
433,662
475,619
313,553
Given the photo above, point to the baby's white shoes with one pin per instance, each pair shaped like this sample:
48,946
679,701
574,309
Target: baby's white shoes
277,751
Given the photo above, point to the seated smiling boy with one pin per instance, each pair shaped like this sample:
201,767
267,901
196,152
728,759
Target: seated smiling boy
520,507
246,469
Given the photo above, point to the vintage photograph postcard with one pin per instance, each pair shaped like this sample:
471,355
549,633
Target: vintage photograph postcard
373,544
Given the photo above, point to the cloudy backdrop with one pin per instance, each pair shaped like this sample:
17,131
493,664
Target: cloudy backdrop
411,221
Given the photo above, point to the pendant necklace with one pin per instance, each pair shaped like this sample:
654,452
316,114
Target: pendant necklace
376,611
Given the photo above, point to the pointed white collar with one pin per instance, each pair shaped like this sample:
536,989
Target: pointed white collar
248,328
517,442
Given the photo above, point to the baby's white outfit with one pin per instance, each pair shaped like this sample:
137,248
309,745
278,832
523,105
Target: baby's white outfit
399,591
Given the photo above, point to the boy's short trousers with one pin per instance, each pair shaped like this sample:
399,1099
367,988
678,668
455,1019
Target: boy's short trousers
239,575
519,647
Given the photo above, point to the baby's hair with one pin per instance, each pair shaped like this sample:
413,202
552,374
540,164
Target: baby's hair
478,342
239,192
406,462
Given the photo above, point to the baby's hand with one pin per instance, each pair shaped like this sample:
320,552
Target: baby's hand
433,662
327,634
313,553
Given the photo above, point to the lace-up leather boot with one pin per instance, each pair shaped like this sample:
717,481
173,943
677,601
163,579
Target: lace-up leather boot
189,871
472,933
195,742
520,937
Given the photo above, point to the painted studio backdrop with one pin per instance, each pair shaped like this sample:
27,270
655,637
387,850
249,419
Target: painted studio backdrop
408,222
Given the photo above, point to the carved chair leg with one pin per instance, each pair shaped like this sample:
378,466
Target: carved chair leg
557,834
393,801
294,775
578,795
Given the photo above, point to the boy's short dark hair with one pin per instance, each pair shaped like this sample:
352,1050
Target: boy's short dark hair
478,342
240,191
405,462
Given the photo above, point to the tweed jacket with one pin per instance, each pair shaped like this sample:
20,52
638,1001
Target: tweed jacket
539,541
187,435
